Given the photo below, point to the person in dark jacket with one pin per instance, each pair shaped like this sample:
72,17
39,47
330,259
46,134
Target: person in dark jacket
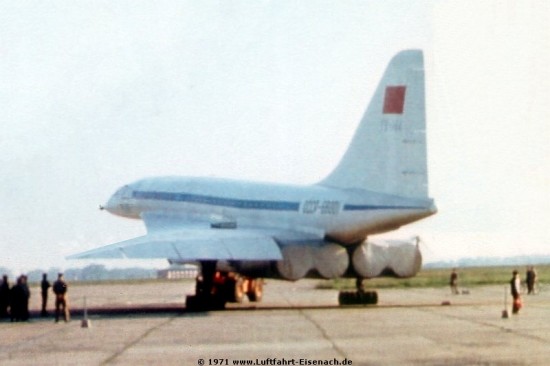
25,299
453,282
19,300
60,289
530,280
4,297
44,287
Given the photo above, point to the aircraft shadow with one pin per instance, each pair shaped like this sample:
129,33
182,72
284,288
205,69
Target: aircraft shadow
178,309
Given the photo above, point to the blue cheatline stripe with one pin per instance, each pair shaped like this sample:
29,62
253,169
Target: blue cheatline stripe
218,201
375,207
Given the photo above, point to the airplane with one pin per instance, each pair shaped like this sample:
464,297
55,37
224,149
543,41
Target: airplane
240,232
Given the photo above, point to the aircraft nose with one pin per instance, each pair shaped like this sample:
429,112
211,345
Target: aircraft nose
115,204
111,205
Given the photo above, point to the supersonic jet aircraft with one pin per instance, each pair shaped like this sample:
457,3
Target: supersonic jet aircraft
240,232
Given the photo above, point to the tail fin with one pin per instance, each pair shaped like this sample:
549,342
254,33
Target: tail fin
388,151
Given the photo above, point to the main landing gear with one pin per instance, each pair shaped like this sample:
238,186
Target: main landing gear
214,289
359,297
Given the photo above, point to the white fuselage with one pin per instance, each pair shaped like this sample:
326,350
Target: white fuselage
289,231
346,216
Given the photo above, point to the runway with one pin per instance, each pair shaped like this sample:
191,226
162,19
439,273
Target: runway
142,324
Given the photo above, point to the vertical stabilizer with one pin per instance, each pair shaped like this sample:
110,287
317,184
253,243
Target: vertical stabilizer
388,151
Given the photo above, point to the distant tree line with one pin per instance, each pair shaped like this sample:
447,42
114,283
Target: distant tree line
520,260
93,272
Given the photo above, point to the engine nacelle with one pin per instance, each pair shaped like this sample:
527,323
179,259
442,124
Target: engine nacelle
329,260
372,259
297,262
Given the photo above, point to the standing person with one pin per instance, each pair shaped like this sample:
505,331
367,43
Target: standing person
19,300
25,296
4,297
530,278
454,282
44,286
15,301
515,287
60,290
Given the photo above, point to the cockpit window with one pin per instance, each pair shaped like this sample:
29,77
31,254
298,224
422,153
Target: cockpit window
124,192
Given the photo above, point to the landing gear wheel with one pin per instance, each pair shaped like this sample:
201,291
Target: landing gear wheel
234,289
256,290
358,298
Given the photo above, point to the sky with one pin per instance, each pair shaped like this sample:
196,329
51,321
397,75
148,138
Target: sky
97,94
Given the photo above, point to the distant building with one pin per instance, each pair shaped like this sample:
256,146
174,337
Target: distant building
178,272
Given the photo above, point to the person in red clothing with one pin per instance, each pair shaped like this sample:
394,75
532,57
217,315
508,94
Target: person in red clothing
515,289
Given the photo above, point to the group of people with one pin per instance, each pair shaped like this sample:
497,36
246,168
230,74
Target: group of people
515,286
15,298
14,301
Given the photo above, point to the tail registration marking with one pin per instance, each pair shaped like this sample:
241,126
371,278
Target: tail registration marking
322,207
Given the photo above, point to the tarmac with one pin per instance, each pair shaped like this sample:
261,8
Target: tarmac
295,324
